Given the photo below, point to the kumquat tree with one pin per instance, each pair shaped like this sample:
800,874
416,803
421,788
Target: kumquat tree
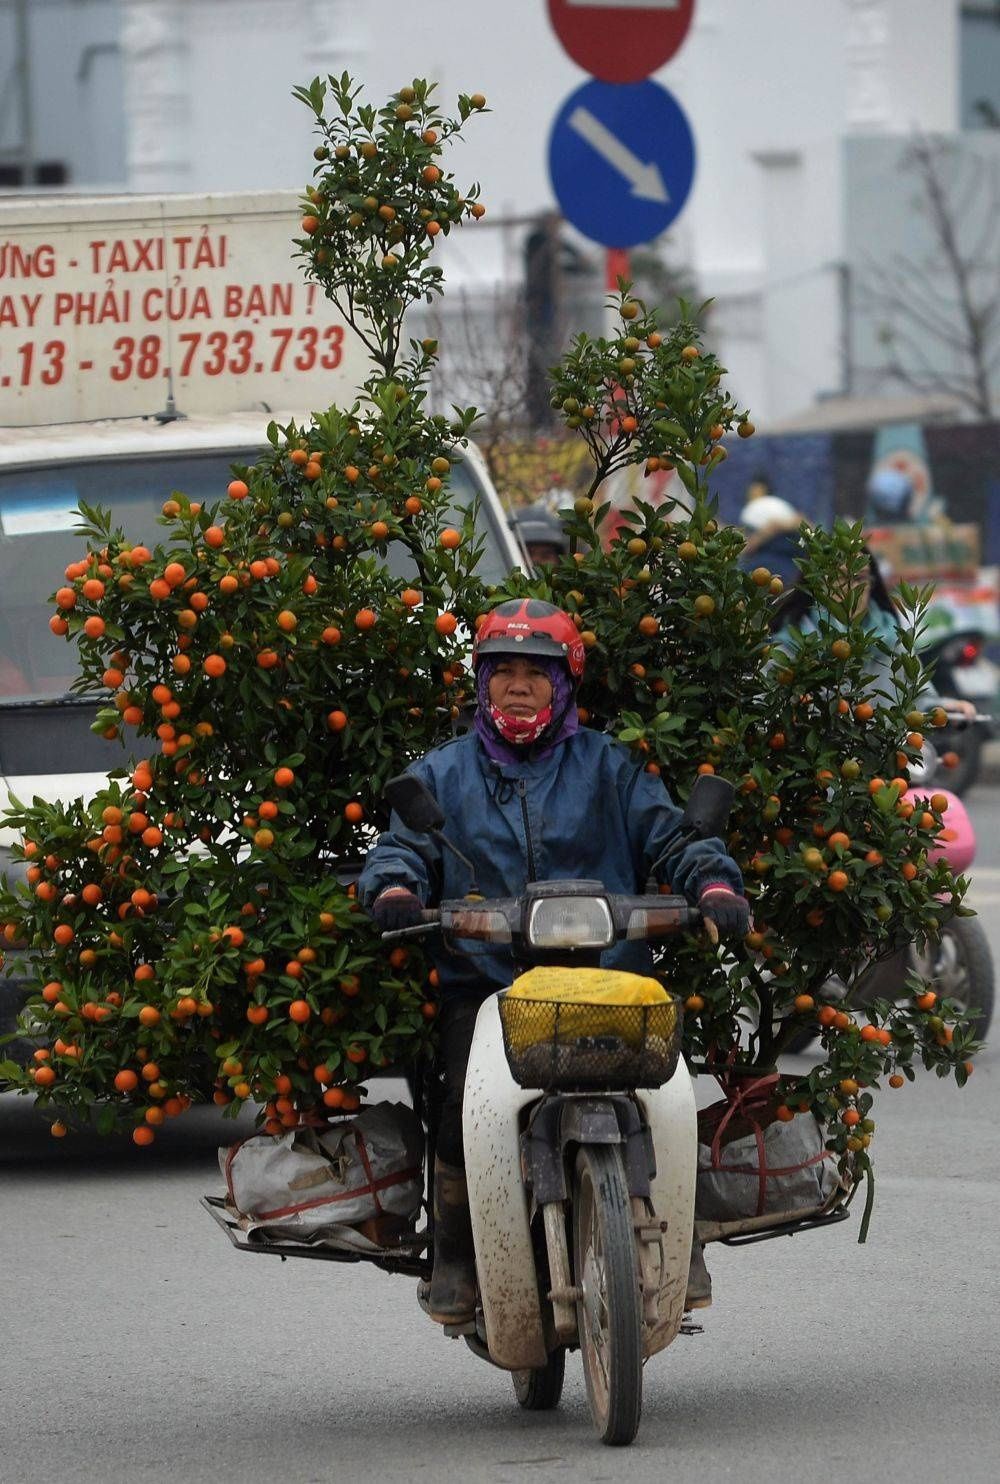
287,650
685,667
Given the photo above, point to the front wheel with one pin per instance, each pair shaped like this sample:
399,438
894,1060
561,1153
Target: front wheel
609,1309
540,1390
959,964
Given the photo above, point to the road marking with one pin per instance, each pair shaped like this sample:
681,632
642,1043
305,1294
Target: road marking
645,179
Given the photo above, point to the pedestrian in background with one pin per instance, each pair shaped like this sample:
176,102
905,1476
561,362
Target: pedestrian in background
772,526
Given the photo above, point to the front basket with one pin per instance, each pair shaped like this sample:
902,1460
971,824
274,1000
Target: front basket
559,1043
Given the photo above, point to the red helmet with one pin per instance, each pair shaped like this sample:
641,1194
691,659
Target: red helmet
530,626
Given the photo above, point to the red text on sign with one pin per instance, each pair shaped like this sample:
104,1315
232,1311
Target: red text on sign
273,300
154,254
26,262
235,353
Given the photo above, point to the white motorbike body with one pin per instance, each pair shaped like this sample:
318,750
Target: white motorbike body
500,1210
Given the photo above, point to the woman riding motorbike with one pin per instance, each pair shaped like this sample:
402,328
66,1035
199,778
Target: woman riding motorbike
528,796
876,613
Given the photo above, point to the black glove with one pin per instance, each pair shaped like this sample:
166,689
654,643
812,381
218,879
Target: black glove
396,909
725,908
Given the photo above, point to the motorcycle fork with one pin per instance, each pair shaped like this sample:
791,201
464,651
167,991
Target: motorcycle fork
562,1294
652,1260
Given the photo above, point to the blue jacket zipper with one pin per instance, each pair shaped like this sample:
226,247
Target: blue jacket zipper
521,792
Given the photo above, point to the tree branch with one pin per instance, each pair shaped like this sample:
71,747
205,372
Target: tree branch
935,301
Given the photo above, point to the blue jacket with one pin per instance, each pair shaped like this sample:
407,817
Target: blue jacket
780,553
588,811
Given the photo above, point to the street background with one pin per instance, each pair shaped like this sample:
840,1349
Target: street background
801,116
139,1346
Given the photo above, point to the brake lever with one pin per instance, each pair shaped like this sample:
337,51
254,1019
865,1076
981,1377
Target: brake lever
417,931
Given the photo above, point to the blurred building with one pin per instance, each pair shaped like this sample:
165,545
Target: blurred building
801,109
62,115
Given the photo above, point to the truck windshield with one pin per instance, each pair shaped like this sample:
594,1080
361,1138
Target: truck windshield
38,541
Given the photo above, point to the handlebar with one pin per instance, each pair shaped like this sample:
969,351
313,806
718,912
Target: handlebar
962,719
510,921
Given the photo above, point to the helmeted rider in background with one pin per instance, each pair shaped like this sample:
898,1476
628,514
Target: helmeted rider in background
528,795
540,531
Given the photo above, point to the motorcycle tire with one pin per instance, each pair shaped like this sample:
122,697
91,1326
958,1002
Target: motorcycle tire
540,1389
609,1310
959,964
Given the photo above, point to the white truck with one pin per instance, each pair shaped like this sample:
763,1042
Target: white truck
145,343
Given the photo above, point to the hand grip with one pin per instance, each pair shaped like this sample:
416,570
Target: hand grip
429,917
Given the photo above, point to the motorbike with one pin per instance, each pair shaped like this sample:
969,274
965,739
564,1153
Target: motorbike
959,961
958,666
581,1142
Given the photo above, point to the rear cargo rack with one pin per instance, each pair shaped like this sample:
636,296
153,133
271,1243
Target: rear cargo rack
747,1229
408,1256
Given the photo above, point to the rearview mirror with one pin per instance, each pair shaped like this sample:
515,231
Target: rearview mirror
708,807
414,803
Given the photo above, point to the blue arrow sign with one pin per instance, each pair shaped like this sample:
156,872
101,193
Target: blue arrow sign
621,159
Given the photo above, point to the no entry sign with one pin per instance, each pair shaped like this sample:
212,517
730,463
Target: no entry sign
621,40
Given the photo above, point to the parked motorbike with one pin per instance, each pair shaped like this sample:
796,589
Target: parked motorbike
581,1141
958,666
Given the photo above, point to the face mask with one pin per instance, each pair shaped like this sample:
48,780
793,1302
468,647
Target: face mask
521,731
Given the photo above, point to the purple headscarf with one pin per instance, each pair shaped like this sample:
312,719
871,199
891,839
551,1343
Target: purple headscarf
564,713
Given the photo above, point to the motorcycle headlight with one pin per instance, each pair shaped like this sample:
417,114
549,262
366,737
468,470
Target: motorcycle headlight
923,770
571,922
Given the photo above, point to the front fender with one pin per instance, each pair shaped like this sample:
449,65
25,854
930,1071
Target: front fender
588,1120
672,1119
498,1201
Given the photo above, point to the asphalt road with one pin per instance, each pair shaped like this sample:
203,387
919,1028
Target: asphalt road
138,1346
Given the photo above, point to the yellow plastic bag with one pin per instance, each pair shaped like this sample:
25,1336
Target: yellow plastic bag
587,1002
589,986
